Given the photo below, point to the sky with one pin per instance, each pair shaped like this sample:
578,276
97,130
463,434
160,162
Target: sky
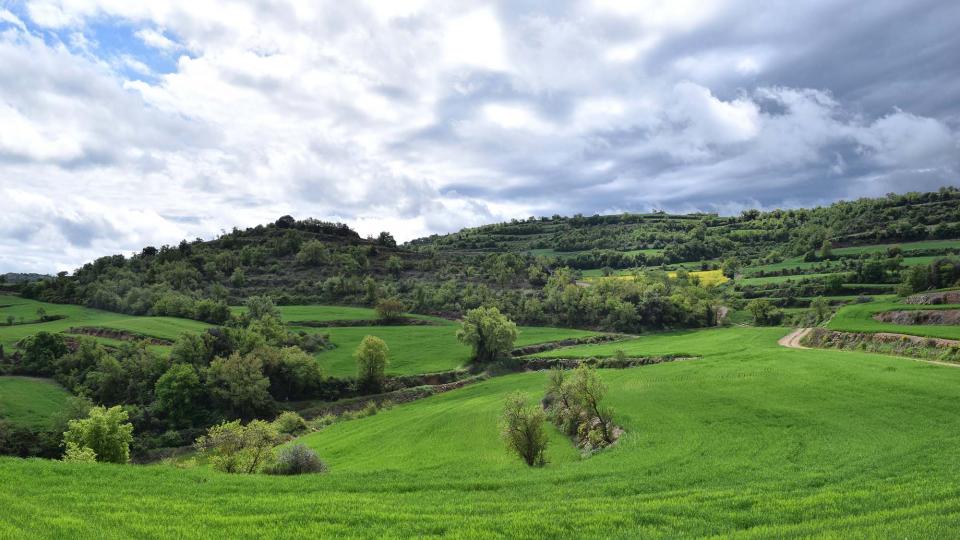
127,123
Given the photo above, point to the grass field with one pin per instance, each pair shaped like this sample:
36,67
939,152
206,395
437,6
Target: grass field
292,314
708,278
29,401
751,441
780,279
160,327
906,246
859,318
416,349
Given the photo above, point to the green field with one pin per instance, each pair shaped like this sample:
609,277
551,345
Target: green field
780,279
29,401
906,246
292,314
159,327
751,441
416,349
859,318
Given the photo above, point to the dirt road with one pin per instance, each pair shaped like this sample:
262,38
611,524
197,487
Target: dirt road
792,340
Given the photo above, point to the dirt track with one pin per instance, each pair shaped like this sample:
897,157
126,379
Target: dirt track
792,340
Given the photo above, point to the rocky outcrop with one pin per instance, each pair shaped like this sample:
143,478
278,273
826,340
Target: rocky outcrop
920,316
934,298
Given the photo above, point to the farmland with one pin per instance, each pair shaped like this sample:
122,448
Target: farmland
751,440
416,349
859,318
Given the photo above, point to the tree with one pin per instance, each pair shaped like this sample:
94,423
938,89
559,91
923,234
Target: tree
389,309
232,447
386,239
826,250
190,349
730,267
764,313
587,390
41,314
104,431
259,307
312,253
372,356
293,374
521,427
238,278
41,351
820,309
238,385
915,279
178,391
395,265
488,332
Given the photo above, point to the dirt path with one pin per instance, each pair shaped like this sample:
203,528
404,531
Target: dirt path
792,340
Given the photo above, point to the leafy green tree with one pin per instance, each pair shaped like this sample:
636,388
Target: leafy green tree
238,385
730,267
312,253
915,279
372,356
395,265
79,454
41,314
293,373
259,307
104,431
488,332
232,447
826,250
386,239
522,428
41,351
238,278
764,313
178,391
588,391
820,309
190,349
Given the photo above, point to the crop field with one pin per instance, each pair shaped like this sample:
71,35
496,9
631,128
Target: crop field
417,349
753,440
30,401
859,318
708,278
161,327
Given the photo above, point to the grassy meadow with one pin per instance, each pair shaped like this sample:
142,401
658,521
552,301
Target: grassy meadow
29,401
751,441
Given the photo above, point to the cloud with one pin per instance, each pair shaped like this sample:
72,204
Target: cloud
132,123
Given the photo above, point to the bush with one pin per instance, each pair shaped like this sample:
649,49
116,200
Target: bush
297,459
234,448
522,429
290,423
389,309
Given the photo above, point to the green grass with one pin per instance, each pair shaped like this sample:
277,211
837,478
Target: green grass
906,246
29,401
752,441
160,327
781,279
294,314
416,349
859,318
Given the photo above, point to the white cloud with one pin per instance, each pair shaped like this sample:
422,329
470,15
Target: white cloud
423,116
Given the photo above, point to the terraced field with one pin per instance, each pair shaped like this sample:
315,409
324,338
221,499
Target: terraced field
751,441
859,318
417,349
77,316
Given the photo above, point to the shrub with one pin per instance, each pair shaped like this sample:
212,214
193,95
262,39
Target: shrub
296,459
389,309
523,431
290,423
